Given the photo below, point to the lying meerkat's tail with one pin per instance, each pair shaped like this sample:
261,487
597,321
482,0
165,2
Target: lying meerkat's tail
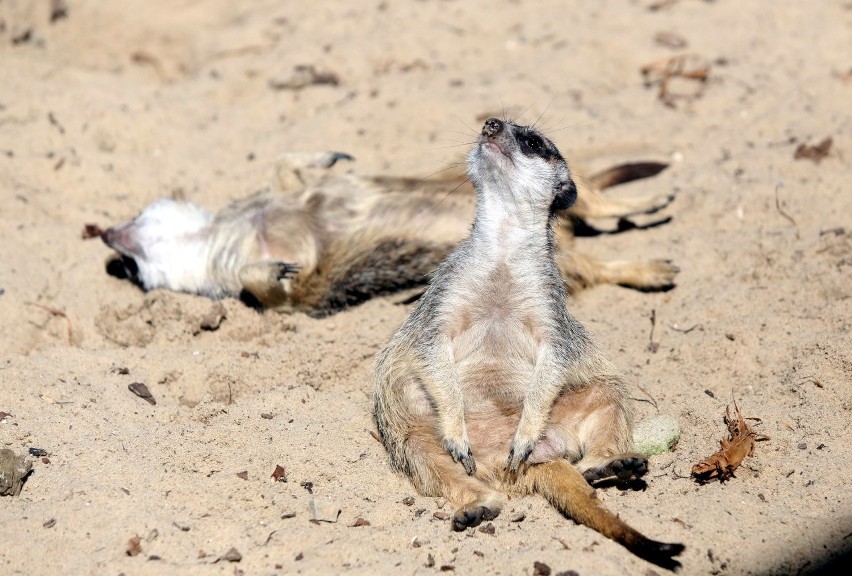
623,173
566,489
364,264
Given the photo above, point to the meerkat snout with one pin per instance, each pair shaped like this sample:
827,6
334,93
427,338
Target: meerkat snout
492,127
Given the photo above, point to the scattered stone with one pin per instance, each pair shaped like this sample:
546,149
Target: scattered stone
212,319
488,529
45,460
232,555
419,512
447,568
307,485
430,561
299,556
243,474
304,75
517,517
38,452
14,471
441,515
655,435
181,526
322,511
360,522
287,515
266,415
440,502
50,523
541,569
142,391
408,500
279,474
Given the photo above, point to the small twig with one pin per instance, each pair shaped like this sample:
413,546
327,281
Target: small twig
784,214
57,312
653,346
813,380
653,400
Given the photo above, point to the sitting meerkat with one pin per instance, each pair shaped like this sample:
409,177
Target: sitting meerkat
320,245
491,386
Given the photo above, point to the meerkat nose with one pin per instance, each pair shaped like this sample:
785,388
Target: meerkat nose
492,127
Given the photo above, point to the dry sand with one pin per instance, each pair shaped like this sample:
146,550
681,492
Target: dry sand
119,103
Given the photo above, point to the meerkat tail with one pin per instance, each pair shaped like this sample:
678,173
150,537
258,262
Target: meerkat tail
565,488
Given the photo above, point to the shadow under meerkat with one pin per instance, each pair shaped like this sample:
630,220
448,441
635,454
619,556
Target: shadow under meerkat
491,386
325,241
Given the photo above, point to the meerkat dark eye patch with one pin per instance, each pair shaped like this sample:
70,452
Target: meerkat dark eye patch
532,145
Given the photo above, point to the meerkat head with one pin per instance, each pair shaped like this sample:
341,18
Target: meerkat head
521,164
164,246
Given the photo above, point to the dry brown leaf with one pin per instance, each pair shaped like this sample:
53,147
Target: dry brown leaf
684,66
722,464
134,546
815,152
91,231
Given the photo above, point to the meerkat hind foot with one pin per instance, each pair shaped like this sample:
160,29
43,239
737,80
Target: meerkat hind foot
623,469
475,513
649,275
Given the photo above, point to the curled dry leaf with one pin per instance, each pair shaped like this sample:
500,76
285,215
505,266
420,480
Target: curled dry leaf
684,66
134,546
722,464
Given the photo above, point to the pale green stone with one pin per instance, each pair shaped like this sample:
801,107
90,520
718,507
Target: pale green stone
655,434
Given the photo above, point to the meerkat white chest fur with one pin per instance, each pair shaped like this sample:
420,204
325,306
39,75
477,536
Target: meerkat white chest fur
502,299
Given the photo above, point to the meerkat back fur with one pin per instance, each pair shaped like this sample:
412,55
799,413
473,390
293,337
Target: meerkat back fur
491,386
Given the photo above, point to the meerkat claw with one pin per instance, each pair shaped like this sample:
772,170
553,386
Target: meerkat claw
287,271
461,453
517,458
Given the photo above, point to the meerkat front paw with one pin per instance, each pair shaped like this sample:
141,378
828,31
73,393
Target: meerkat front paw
268,280
519,453
461,452
285,270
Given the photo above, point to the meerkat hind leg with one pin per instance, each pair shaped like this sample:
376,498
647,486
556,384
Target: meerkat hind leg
266,280
583,271
436,474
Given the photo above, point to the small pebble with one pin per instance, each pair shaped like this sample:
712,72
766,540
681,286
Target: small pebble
655,434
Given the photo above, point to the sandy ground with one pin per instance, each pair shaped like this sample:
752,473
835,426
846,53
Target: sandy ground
118,103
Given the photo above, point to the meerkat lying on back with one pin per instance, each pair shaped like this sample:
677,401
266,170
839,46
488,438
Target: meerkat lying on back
324,245
491,386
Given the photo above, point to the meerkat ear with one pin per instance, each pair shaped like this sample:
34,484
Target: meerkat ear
566,195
